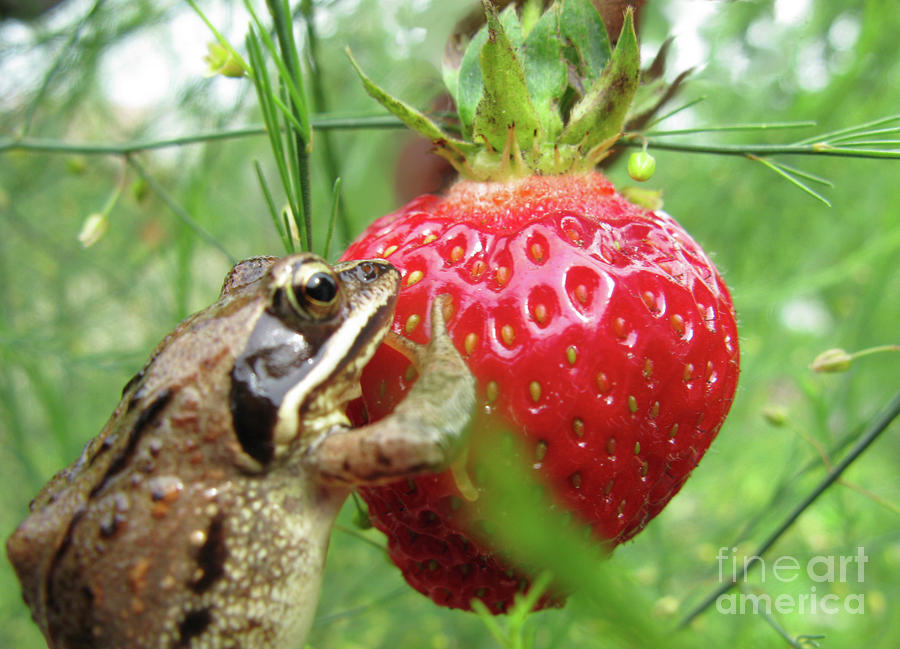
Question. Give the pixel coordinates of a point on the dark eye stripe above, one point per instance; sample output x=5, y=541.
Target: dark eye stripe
x=274, y=361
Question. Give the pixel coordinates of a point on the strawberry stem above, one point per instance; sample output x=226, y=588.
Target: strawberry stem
x=543, y=97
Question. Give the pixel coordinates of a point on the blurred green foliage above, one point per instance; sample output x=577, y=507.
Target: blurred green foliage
x=75, y=323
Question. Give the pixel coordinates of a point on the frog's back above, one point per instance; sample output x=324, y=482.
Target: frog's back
x=142, y=542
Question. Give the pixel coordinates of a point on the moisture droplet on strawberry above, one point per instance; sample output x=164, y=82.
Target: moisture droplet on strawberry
x=599, y=333
x=597, y=330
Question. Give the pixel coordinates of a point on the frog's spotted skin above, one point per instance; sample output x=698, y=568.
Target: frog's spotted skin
x=200, y=515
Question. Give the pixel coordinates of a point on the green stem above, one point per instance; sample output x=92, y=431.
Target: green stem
x=320, y=101
x=798, y=643
x=875, y=350
x=359, y=535
x=281, y=18
x=874, y=431
x=819, y=148
x=752, y=126
x=322, y=123
x=335, y=207
x=177, y=209
x=329, y=618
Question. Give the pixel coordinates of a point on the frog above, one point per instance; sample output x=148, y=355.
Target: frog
x=201, y=514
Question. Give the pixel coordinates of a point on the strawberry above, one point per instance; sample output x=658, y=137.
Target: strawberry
x=599, y=332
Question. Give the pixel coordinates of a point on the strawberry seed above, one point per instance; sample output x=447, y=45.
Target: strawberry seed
x=632, y=404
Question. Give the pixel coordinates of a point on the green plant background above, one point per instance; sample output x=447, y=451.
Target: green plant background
x=76, y=323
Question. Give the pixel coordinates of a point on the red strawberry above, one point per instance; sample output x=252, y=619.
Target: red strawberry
x=598, y=331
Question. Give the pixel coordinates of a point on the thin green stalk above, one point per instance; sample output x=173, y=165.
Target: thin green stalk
x=752, y=126
x=281, y=17
x=856, y=128
x=873, y=432
x=285, y=236
x=875, y=350
x=327, y=123
x=877, y=131
x=329, y=618
x=800, y=642
x=43, y=145
x=867, y=143
x=352, y=531
x=272, y=116
x=323, y=122
x=781, y=171
x=178, y=210
x=674, y=111
x=320, y=100
x=298, y=162
x=802, y=173
x=822, y=149
x=335, y=207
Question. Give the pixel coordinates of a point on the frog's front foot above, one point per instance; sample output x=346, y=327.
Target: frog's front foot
x=425, y=431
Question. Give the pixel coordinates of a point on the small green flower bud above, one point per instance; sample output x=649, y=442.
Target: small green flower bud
x=222, y=61
x=832, y=360
x=641, y=166
x=776, y=415
x=140, y=190
x=665, y=606
x=94, y=228
x=76, y=165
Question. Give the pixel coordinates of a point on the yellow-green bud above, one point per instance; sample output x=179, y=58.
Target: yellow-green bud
x=76, y=164
x=140, y=190
x=832, y=360
x=222, y=61
x=776, y=415
x=641, y=166
x=95, y=226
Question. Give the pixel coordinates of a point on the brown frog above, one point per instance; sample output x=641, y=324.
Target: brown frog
x=200, y=516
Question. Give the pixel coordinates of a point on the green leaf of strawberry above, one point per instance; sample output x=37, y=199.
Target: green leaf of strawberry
x=599, y=332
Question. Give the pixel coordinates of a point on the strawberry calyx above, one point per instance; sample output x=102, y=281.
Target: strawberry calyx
x=535, y=95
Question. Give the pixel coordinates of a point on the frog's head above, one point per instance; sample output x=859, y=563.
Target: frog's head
x=302, y=361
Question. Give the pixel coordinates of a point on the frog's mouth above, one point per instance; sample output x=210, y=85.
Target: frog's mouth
x=289, y=382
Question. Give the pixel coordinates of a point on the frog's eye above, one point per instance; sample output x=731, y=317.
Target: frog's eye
x=321, y=288
x=314, y=292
